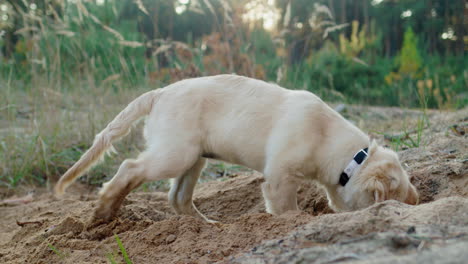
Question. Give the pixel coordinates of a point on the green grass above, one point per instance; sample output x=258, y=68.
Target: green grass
x=56, y=251
x=407, y=139
x=110, y=256
x=411, y=135
x=122, y=250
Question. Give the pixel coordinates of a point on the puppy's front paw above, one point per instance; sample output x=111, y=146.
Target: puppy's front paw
x=104, y=213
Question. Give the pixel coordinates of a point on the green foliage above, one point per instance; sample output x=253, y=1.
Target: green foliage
x=87, y=40
x=265, y=52
x=449, y=77
x=409, y=60
x=335, y=76
x=113, y=45
x=353, y=46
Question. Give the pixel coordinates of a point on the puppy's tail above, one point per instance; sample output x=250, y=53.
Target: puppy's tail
x=116, y=129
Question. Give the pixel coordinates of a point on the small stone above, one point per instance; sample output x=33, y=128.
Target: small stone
x=411, y=230
x=400, y=241
x=340, y=108
x=170, y=238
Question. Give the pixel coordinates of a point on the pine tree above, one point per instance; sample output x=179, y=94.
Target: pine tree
x=410, y=59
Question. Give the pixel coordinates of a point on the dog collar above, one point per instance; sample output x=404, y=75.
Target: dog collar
x=358, y=159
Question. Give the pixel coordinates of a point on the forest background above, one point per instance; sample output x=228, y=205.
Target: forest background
x=385, y=52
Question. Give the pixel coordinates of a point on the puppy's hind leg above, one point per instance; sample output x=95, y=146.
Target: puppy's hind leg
x=163, y=161
x=130, y=175
x=180, y=195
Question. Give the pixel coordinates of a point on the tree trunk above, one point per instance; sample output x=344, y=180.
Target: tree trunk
x=331, y=6
x=155, y=20
x=460, y=27
x=343, y=11
x=432, y=33
x=387, y=46
x=365, y=5
x=356, y=13
x=446, y=22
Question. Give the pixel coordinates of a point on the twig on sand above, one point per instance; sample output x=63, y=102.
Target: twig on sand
x=402, y=136
x=28, y=223
x=16, y=201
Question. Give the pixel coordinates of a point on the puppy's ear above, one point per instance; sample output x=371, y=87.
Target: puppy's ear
x=412, y=196
x=373, y=147
x=378, y=189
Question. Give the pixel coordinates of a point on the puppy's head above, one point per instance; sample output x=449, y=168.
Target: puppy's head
x=380, y=178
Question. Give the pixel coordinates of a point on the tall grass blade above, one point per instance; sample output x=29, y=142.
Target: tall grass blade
x=122, y=249
x=56, y=251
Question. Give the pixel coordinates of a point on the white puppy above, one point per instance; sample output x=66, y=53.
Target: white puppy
x=287, y=135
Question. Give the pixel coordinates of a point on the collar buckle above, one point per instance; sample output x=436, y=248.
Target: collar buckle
x=357, y=161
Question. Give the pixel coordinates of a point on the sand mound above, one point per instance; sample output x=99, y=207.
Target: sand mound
x=389, y=232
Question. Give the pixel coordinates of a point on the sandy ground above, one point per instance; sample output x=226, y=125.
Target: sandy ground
x=41, y=229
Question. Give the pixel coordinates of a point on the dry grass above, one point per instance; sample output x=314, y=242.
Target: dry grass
x=44, y=130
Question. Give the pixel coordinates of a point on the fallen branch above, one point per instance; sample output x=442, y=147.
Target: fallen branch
x=28, y=223
x=402, y=136
x=16, y=201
